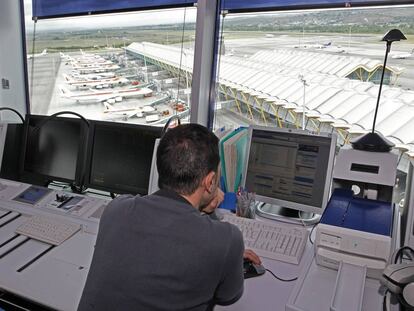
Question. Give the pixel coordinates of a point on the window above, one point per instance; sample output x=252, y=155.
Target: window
x=319, y=70
x=131, y=67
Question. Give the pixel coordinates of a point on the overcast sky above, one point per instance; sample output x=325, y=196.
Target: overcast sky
x=111, y=20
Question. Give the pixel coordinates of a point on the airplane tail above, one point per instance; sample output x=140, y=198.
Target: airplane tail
x=67, y=78
x=44, y=52
x=108, y=107
x=82, y=52
x=64, y=91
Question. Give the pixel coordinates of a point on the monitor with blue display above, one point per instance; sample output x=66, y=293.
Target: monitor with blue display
x=290, y=168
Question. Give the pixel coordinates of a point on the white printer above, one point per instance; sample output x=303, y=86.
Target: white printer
x=357, y=224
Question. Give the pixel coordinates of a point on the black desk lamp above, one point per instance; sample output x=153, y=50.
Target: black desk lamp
x=372, y=141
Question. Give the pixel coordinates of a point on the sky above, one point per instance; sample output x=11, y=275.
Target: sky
x=109, y=20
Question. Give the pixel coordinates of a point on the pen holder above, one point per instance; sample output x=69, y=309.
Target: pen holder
x=245, y=207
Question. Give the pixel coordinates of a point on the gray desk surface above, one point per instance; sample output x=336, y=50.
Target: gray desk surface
x=265, y=293
x=57, y=279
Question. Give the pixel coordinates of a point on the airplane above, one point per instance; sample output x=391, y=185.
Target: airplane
x=101, y=96
x=30, y=56
x=128, y=112
x=91, y=76
x=314, y=46
x=84, y=59
x=124, y=112
x=96, y=69
x=95, y=81
x=181, y=115
x=403, y=55
x=88, y=62
x=90, y=55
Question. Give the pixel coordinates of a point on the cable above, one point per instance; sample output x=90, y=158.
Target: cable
x=33, y=59
x=399, y=252
x=310, y=234
x=58, y=114
x=386, y=302
x=280, y=279
x=75, y=188
x=221, y=41
x=13, y=110
x=167, y=125
x=301, y=219
x=181, y=56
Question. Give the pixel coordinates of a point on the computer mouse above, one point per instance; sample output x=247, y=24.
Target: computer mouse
x=252, y=270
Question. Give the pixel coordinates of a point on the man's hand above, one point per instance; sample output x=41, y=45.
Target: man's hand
x=212, y=205
x=251, y=256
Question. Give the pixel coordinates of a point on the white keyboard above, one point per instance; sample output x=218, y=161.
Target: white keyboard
x=47, y=229
x=273, y=240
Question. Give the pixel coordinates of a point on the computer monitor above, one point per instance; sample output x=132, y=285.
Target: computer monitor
x=12, y=150
x=290, y=168
x=53, y=150
x=120, y=156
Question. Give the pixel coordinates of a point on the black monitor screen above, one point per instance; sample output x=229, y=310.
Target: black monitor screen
x=54, y=149
x=120, y=157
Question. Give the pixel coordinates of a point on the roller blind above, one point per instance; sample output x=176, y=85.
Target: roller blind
x=258, y=5
x=43, y=9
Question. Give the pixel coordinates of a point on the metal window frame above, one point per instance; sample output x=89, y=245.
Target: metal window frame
x=205, y=60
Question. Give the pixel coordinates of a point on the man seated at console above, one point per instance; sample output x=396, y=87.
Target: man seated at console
x=159, y=252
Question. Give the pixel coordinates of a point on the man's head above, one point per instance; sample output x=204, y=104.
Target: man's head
x=188, y=160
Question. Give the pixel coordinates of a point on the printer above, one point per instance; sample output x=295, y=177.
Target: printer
x=357, y=224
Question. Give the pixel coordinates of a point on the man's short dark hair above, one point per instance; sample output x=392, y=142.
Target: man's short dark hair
x=185, y=155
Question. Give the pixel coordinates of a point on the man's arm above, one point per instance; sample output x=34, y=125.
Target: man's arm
x=230, y=288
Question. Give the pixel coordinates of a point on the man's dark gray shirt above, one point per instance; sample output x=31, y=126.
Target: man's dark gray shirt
x=159, y=253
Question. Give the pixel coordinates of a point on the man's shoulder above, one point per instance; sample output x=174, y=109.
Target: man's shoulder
x=226, y=230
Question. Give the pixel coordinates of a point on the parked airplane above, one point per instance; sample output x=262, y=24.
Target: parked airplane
x=128, y=112
x=97, y=69
x=91, y=76
x=84, y=59
x=314, y=46
x=124, y=112
x=30, y=56
x=101, y=96
x=181, y=115
x=403, y=55
x=95, y=82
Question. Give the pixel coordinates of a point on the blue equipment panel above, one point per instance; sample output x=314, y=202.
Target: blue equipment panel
x=346, y=211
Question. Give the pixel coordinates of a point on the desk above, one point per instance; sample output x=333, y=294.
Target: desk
x=265, y=293
x=56, y=279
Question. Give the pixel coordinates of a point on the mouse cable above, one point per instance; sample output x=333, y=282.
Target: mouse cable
x=400, y=253
x=280, y=279
x=386, y=304
x=310, y=234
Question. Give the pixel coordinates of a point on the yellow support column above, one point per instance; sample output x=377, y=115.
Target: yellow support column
x=261, y=110
x=247, y=105
x=237, y=101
